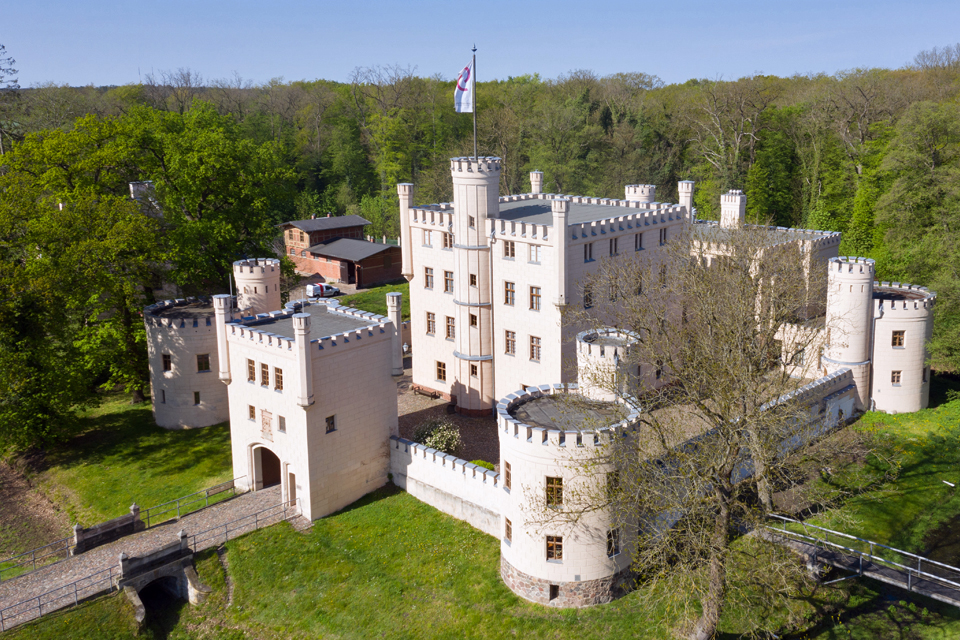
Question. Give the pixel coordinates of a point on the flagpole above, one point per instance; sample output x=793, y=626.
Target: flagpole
x=474, y=80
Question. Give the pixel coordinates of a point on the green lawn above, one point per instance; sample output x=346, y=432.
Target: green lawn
x=375, y=300
x=123, y=457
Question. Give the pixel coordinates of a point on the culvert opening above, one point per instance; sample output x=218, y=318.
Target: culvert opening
x=162, y=601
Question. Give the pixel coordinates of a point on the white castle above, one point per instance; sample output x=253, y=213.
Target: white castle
x=312, y=403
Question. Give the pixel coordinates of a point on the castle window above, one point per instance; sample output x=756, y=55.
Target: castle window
x=264, y=375
x=442, y=371
x=167, y=362
x=472, y=222
x=554, y=592
x=554, y=552
x=507, y=529
x=251, y=371
x=613, y=246
x=277, y=379
x=507, y=476
x=511, y=340
x=509, y=293
x=427, y=238
x=663, y=237
x=431, y=323
x=663, y=276
x=301, y=236
x=473, y=279
x=293, y=251
x=303, y=254
x=331, y=423
x=474, y=371
x=196, y=398
x=536, y=253
x=448, y=281
x=535, y=298
x=898, y=339
x=163, y=396
x=613, y=542
x=203, y=362
x=451, y=328
x=281, y=424
x=447, y=241
x=588, y=252
x=895, y=378
x=659, y=369
x=638, y=242
x=251, y=412
x=428, y=277
x=473, y=319
x=925, y=369
x=509, y=249
x=798, y=357
x=554, y=491
x=587, y=298
x=535, y=349
x=255, y=289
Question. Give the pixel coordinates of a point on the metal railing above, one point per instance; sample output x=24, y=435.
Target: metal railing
x=35, y=558
x=102, y=581
x=235, y=528
x=910, y=563
x=181, y=506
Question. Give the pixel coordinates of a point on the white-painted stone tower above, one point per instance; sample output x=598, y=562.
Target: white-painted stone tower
x=405, y=193
x=394, y=305
x=258, y=285
x=849, y=321
x=476, y=193
x=640, y=193
x=685, y=188
x=733, y=208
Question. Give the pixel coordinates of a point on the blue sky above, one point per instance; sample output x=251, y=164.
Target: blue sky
x=116, y=42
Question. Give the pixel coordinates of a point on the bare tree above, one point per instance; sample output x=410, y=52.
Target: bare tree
x=8, y=94
x=721, y=319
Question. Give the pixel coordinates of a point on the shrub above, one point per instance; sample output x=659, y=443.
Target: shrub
x=441, y=435
x=484, y=464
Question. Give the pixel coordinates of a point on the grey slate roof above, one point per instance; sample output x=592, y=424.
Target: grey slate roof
x=349, y=249
x=325, y=224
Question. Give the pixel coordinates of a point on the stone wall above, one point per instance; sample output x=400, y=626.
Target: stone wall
x=454, y=486
x=565, y=594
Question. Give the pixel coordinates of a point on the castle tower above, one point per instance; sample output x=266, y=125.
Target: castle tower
x=602, y=370
x=733, y=208
x=394, y=305
x=849, y=321
x=405, y=192
x=258, y=285
x=476, y=194
x=903, y=326
x=685, y=188
x=641, y=193
x=536, y=182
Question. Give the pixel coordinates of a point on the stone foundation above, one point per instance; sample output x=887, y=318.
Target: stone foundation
x=568, y=594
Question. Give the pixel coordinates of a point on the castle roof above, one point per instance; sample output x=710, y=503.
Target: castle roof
x=568, y=412
x=325, y=320
x=182, y=308
x=327, y=223
x=349, y=248
x=711, y=231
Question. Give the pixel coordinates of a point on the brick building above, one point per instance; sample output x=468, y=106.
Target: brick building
x=334, y=247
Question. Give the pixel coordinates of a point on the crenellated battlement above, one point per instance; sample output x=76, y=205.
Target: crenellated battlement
x=852, y=265
x=256, y=265
x=640, y=192
x=488, y=165
x=816, y=390
x=202, y=315
x=456, y=465
x=617, y=224
x=912, y=297
x=542, y=436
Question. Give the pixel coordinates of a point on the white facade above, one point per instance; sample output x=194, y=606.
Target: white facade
x=312, y=402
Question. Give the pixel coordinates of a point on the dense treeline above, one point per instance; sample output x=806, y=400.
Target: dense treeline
x=873, y=153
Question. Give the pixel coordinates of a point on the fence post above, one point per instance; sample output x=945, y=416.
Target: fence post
x=3, y=624
x=178, y=508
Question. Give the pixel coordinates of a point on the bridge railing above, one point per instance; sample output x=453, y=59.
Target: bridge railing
x=35, y=558
x=175, y=509
x=252, y=522
x=69, y=594
x=913, y=565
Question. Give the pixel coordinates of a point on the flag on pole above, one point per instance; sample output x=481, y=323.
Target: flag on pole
x=466, y=88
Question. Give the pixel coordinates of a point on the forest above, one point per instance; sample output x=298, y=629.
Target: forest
x=873, y=153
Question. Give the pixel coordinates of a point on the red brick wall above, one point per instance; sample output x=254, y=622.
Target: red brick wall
x=372, y=272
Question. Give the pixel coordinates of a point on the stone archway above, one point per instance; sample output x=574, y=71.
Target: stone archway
x=268, y=468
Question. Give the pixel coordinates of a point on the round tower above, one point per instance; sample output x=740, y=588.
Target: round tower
x=476, y=194
x=641, y=193
x=849, y=321
x=602, y=369
x=685, y=189
x=258, y=285
x=560, y=562
x=903, y=326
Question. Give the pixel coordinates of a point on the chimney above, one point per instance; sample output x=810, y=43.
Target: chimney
x=733, y=208
x=536, y=182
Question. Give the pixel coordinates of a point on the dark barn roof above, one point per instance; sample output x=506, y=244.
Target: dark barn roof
x=349, y=249
x=325, y=224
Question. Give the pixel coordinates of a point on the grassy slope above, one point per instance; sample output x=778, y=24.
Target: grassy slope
x=123, y=457
x=375, y=300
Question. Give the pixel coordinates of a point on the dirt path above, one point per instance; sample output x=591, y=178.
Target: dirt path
x=27, y=518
